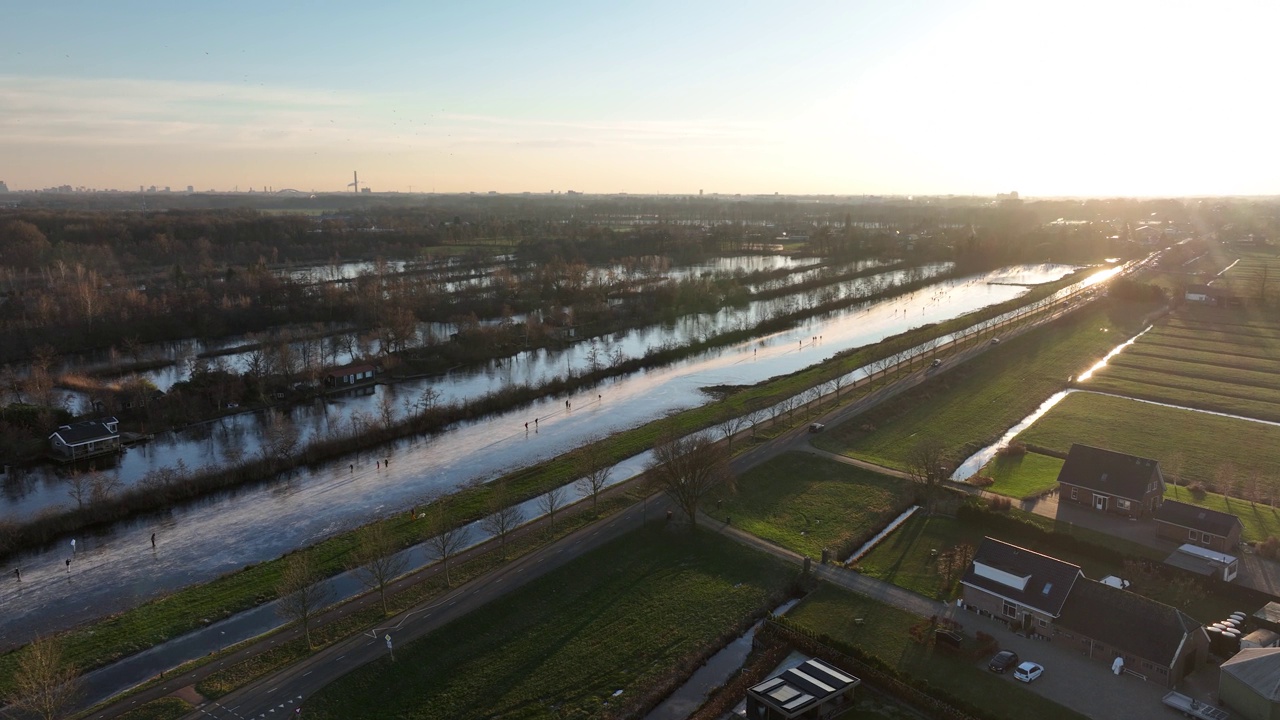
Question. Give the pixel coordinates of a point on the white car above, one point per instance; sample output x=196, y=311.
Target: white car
x=1028, y=672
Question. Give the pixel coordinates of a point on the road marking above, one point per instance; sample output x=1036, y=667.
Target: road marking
x=341, y=656
x=307, y=673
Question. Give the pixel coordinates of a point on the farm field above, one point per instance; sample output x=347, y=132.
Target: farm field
x=1188, y=444
x=806, y=502
x=599, y=632
x=971, y=405
x=1224, y=360
x=883, y=631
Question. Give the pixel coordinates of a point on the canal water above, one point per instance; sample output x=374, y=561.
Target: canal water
x=117, y=569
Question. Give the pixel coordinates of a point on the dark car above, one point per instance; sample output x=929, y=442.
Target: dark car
x=1003, y=660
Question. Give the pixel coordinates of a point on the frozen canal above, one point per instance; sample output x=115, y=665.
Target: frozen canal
x=197, y=542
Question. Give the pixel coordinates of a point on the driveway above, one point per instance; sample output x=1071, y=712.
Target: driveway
x=1255, y=572
x=1077, y=682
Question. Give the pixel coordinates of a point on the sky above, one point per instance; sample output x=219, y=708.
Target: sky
x=1047, y=98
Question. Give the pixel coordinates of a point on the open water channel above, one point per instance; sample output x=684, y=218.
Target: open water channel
x=118, y=569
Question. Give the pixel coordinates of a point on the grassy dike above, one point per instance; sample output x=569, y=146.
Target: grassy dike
x=604, y=636
x=100, y=643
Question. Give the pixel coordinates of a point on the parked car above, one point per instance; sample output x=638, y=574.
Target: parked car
x=817, y=427
x=1028, y=672
x=936, y=363
x=1003, y=660
x=995, y=341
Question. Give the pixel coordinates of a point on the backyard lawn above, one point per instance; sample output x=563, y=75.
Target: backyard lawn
x=882, y=631
x=909, y=558
x=806, y=502
x=1022, y=476
x=595, y=634
x=972, y=404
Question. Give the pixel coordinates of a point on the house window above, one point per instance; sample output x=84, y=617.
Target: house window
x=1206, y=538
x=1075, y=493
x=1009, y=609
x=1044, y=623
x=1193, y=535
x=1122, y=503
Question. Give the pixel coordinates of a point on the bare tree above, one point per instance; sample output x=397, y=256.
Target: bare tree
x=730, y=427
x=952, y=564
x=503, y=517
x=102, y=486
x=593, y=468
x=929, y=464
x=280, y=436
x=302, y=592
x=44, y=683
x=687, y=468
x=447, y=538
x=1225, y=479
x=387, y=408
x=789, y=405
x=1172, y=471
x=880, y=366
x=810, y=396
x=551, y=501
x=755, y=417
x=79, y=487
x=376, y=560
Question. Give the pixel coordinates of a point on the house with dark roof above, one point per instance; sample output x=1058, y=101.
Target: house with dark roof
x=813, y=690
x=350, y=375
x=1156, y=642
x=1018, y=586
x=1111, y=482
x=85, y=439
x=1192, y=524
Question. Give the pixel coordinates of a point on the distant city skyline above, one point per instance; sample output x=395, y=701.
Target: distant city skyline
x=932, y=98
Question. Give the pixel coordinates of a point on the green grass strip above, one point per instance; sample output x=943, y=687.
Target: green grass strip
x=589, y=639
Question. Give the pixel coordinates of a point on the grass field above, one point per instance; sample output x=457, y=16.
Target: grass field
x=1022, y=476
x=627, y=617
x=882, y=631
x=971, y=405
x=1190, y=446
x=1225, y=360
x=806, y=502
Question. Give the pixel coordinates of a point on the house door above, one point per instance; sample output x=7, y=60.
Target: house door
x=1100, y=502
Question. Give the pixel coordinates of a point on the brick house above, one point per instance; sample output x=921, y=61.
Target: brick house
x=1157, y=642
x=1018, y=586
x=1186, y=523
x=1111, y=482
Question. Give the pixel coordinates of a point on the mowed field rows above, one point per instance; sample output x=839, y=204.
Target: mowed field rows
x=1225, y=360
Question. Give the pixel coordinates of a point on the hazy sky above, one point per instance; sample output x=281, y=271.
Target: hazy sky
x=1047, y=98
